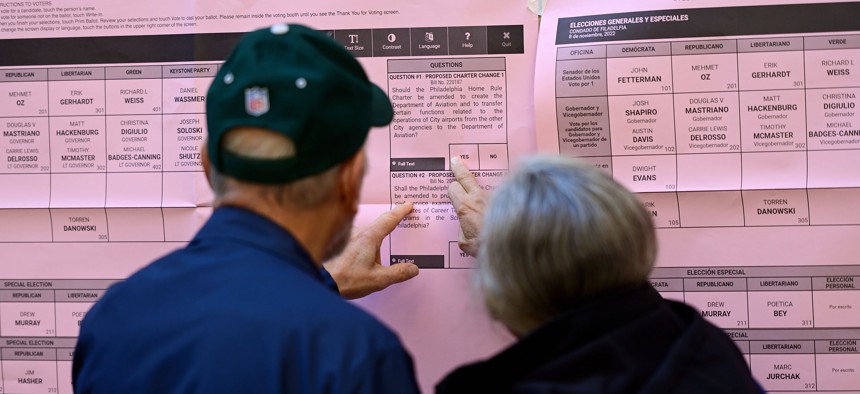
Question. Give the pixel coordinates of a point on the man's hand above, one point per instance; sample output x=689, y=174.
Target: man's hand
x=469, y=203
x=358, y=271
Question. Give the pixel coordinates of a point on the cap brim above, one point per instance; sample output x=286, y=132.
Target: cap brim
x=381, y=112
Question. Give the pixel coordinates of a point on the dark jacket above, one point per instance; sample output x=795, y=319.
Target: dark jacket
x=241, y=309
x=631, y=341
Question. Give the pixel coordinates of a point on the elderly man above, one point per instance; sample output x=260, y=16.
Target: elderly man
x=246, y=307
x=564, y=258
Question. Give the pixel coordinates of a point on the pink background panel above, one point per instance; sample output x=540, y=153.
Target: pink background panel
x=753, y=62
x=186, y=189
x=764, y=364
x=725, y=77
x=711, y=209
x=712, y=171
x=816, y=72
x=756, y=200
x=180, y=224
x=662, y=166
x=35, y=100
x=834, y=168
x=465, y=331
x=64, y=374
x=623, y=67
x=838, y=371
x=798, y=315
x=630, y=138
x=71, y=217
x=733, y=302
x=837, y=308
x=78, y=190
x=31, y=225
x=144, y=224
x=133, y=190
x=25, y=190
x=834, y=206
x=774, y=170
x=376, y=146
x=61, y=90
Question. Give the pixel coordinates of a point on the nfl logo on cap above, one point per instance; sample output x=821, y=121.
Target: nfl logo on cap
x=256, y=101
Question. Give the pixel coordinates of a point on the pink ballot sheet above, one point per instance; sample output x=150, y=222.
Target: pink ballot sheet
x=736, y=124
x=102, y=118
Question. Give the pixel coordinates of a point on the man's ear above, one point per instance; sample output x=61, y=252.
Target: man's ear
x=204, y=158
x=350, y=177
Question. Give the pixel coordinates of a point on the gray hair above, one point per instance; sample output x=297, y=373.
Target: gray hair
x=258, y=143
x=558, y=232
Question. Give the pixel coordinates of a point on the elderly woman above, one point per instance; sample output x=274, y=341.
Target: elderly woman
x=564, y=258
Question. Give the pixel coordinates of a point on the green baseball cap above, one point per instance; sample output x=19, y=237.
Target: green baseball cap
x=300, y=83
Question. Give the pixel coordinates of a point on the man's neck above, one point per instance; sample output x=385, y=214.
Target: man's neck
x=312, y=228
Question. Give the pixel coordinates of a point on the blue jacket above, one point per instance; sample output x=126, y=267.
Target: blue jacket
x=241, y=309
x=632, y=341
